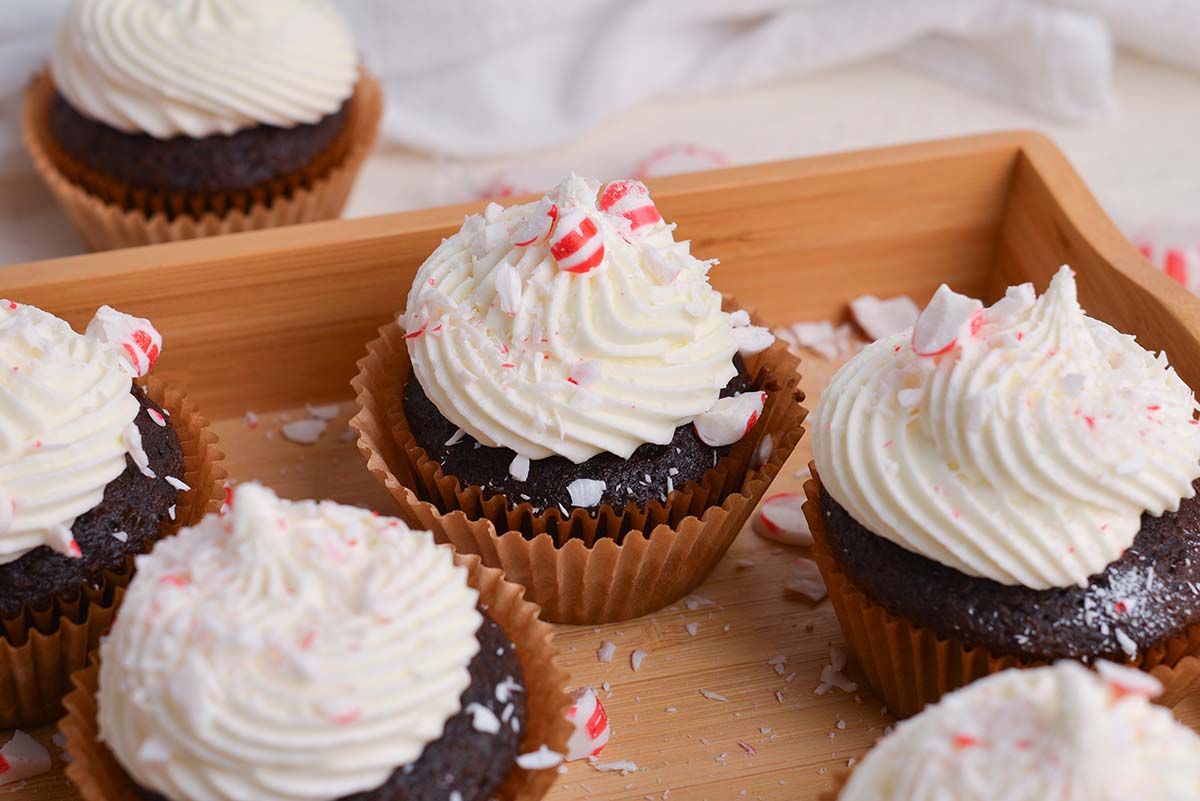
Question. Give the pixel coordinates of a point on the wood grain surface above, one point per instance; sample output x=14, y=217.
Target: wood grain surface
x=266, y=322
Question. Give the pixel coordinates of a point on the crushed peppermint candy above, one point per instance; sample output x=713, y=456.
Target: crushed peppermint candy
x=948, y=320
x=804, y=578
x=22, y=757
x=730, y=418
x=883, y=318
x=692, y=628
x=586, y=491
x=328, y=411
x=483, y=719
x=251, y=420
x=589, y=722
x=710, y=695
x=781, y=518
x=636, y=658
x=624, y=766
x=303, y=432
x=456, y=437
x=176, y=483
x=156, y=416
x=762, y=454
x=519, y=468
x=120, y=536
x=541, y=759
x=607, y=651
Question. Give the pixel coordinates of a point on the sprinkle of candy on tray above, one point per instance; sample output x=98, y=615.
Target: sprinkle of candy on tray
x=710, y=695
x=636, y=659
x=606, y=652
x=303, y=432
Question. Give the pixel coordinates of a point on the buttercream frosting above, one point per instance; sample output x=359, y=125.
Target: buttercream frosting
x=66, y=419
x=1060, y=732
x=285, y=651
x=1023, y=448
x=201, y=67
x=571, y=326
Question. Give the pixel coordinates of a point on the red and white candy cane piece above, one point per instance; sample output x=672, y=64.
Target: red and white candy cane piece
x=538, y=225
x=576, y=242
x=590, y=725
x=8, y=510
x=730, y=418
x=21, y=758
x=139, y=340
x=948, y=320
x=630, y=199
x=781, y=518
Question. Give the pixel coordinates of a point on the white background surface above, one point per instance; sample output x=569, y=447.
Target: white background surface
x=1143, y=163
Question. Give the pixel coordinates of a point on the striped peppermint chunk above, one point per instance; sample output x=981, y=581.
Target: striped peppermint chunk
x=576, y=243
x=631, y=200
x=139, y=340
x=538, y=225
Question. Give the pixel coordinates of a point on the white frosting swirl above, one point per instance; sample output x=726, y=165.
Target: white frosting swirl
x=521, y=353
x=1058, y=732
x=66, y=423
x=1026, y=454
x=300, y=651
x=202, y=67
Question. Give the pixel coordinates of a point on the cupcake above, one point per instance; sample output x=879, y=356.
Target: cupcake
x=1060, y=732
x=162, y=121
x=303, y=650
x=94, y=468
x=564, y=371
x=1003, y=486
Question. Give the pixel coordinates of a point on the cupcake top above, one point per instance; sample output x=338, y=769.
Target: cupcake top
x=1060, y=732
x=201, y=67
x=1020, y=443
x=66, y=420
x=285, y=651
x=572, y=326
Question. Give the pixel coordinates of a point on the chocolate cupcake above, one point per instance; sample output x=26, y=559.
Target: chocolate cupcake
x=202, y=109
x=566, y=368
x=288, y=650
x=1059, y=732
x=93, y=471
x=1010, y=486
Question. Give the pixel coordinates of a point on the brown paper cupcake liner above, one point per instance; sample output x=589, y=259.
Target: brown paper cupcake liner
x=98, y=776
x=910, y=666
x=110, y=215
x=585, y=568
x=39, y=649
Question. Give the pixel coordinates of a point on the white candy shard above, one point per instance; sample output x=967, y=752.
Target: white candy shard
x=585, y=374
x=328, y=411
x=589, y=723
x=606, y=652
x=624, y=766
x=483, y=719
x=537, y=225
x=177, y=484
x=752, y=339
x=139, y=341
x=804, y=578
x=22, y=757
x=303, y=432
x=586, y=491
x=508, y=287
x=540, y=759
x=762, y=454
x=636, y=658
x=730, y=418
x=519, y=468
x=133, y=442
x=883, y=318
x=946, y=322
x=781, y=518
x=1016, y=300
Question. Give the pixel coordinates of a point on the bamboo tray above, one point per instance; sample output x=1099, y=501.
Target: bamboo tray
x=269, y=321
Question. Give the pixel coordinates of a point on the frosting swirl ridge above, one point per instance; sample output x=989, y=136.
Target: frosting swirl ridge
x=285, y=650
x=564, y=327
x=1058, y=732
x=1023, y=447
x=201, y=67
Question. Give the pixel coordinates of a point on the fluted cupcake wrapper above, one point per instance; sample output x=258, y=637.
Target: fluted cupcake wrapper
x=910, y=666
x=98, y=776
x=39, y=649
x=108, y=214
x=612, y=565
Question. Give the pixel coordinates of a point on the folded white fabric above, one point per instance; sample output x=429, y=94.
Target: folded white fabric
x=473, y=78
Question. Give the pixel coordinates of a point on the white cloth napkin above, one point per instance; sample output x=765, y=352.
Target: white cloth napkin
x=471, y=78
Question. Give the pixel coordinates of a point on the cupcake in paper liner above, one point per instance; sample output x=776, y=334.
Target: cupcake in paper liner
x=565, y=370
x=301, y=650
x=94, y=468
x=1060, y=732
x=162, y=121
x=1004, y=486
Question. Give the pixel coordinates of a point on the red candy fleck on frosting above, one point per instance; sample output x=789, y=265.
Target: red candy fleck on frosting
x=576, y=243
x=415, y=334
x=965, y=741
x=631, y=200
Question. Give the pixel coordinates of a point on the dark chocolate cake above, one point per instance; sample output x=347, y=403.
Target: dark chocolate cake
x=1148, y=595
x=133, y=504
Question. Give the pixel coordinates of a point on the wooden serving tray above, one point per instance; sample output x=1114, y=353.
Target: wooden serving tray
x=266, y=322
